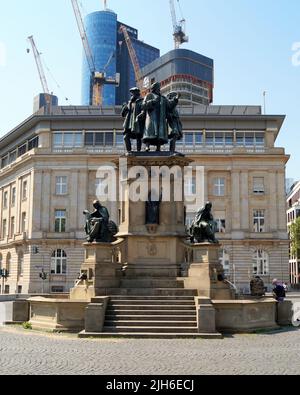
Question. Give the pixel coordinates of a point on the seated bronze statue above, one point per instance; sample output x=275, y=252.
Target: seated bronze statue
x=98, y=227
x=204, y=227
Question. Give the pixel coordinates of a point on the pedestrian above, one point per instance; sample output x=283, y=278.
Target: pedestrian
x=278, y=291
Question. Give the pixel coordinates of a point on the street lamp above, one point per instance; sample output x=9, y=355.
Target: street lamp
x=43, y=276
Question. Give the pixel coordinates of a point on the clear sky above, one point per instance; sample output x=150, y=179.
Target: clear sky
x=250, y=40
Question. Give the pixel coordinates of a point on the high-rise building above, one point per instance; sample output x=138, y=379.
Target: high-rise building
x=102, y=28
x=183, y=71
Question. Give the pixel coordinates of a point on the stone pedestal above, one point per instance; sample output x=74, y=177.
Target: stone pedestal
x=102, y=267
x=206, y=273
x=206, y=315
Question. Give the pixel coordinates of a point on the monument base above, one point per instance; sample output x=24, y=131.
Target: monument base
x=206, y=274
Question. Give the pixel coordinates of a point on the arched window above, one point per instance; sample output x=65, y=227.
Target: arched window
x=8, y=263
x=21, y=263
x=260, y=263
x=225, y=262
x=59, y=262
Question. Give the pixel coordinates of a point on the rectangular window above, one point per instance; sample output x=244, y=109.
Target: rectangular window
x=4, y=228
x=219, y=139
x=189, y=139
x=23, y=222
x=219, y=187
x=24, y=190
x=12, y=156
x=119, y=139
x=240, y=139
x=89, y=138
x=22, y=150
x=99, y=139
x=33, y=143
x=229, y=139
x=5, y=200
x=190, y=186
x=210, y=139
x=58, y=140
x=68, y=140
x=259, y=221
x=61, y=187
x=249, y=139
x=4, y=161
x=258, y=185
x=221, y=225
x=109, y=139
x=60, y=221
x=13, y=196
x=78, y=140
x=57, y=290
x=259, y=139
x=19, y=289
x=12, y=226
x=199, y=138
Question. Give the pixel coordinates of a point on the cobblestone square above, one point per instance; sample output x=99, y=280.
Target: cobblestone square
x=32, y=353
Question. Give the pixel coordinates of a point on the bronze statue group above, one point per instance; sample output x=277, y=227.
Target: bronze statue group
x=153, y=120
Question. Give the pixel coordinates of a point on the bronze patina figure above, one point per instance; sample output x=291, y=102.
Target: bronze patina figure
x=134, y=124
x=98, y=227
x=157, y=108
x=174, y=122
x=203, y=227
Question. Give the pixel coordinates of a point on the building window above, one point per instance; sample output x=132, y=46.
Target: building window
x=5, y=200
x=225, y=262
x=13, y=196
x=12, y=226
x=119, y=139
x=20, y=264
x=219, y=187
x=57, y=290
x=24, y=190
x=20, y=288
x=22, y=150
x=258, y=185
x=33, y=143
x=6, y=290
x=221, y=225
x=23, y=222
x=59, y=262
x=190, y=186
x=61, y=187
x=4, y=161
x=12, y=156
x=189, y=139
x=259, y=221
x=60, y=221
x=4, y=228
x=260, y=263
x=68, y=140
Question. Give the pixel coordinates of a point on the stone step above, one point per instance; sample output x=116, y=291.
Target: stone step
x=150, y=323
x=144, y=335
x=145, y=302
x=144, y=307
x=149, y=292
x=169, y=298
x=137, y=313
x=149, y=329
x=151, y=283
x=148, y=318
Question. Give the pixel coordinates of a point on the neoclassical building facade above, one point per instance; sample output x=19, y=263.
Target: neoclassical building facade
x=48, y=178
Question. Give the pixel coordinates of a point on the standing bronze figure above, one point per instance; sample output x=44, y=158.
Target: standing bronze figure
x=174, y=121
x=204, y=227
x=134, y=124
x=157, y=108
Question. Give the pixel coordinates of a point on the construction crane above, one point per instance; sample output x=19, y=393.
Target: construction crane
x=133, y=57
x=38, y=61
x=99, y=78
x=179, y=34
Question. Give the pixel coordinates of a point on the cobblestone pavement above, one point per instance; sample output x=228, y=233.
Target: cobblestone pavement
x=24, y=353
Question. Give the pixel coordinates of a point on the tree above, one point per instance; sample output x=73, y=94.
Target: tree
x=295, y=238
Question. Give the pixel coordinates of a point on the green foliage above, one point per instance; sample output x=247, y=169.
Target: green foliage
x=295, y=238
x=27, y=325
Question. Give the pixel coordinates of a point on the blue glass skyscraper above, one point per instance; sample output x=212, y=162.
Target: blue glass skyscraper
x=102, y=30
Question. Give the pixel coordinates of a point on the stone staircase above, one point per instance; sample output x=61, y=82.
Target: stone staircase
x=151, y=317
